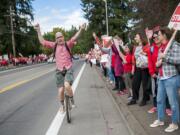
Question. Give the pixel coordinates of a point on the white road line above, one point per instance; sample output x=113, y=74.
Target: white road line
x=21, y=68
x=58, y=120
x=33, y=67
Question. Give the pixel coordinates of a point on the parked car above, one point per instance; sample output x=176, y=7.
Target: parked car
x=75, y=57
x=3, y=62
x=51, y=60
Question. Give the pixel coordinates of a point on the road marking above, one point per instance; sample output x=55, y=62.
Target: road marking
x=10, y=87
x=58, y=119
x=33, y=67
x=21, y=68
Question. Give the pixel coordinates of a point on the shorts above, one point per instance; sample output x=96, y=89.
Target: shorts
x=64, y=76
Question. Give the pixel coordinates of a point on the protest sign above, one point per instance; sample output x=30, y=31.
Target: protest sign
x=106, y=39
x=175, y=19
x=175, y=24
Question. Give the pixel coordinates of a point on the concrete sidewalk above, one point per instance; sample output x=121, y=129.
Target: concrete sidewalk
x=137, y=117
x=97, y=112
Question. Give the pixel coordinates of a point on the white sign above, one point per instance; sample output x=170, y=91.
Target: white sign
x=96, y=47
x=106, y=39
x=175, y=19
x=93, y=61
x=104, y=58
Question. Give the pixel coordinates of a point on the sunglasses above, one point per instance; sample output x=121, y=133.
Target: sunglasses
x=59, y=37
x=155, y=36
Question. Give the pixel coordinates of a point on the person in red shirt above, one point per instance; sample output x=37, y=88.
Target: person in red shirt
x=127, y=65
x=152, y=54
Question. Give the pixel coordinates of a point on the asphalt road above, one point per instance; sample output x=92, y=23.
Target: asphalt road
x=28, y=99
x=29, y=103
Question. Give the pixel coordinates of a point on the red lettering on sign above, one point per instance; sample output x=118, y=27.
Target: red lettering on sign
x=175, y=18
x=177, y=11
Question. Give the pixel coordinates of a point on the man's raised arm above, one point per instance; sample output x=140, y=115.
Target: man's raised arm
x=75, y=37
x=40, y=37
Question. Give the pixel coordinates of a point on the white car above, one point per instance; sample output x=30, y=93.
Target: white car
x=51, y=60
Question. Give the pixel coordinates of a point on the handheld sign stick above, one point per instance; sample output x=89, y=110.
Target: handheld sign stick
x=174, y=23
x=170, y=42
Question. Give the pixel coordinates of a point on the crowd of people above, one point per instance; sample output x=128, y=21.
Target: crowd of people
x=127, y=66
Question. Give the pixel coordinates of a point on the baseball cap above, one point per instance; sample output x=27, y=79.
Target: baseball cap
x=58, y=34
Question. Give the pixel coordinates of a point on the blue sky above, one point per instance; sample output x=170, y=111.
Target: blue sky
x=58, y=13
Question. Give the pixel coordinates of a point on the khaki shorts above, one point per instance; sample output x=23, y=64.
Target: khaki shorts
x=62, y=77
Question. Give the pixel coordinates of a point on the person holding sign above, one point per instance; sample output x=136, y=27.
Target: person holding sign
x=168, y=79
x=118, y=66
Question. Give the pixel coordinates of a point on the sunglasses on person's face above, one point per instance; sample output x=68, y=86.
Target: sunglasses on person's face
x=59, y=37
x=155, y=36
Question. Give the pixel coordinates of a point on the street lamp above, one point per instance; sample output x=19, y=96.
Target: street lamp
x=107, y=31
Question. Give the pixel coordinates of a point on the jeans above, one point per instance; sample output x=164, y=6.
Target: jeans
x=169, y=87
x=178, y=82
x=110, y=74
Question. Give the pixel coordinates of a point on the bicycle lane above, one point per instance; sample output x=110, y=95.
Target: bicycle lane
x=96, y=112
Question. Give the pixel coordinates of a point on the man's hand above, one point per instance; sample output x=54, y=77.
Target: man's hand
x=94, y=34
x=143, y=53
x=161, y=55
x=154, y=76
x=149, y=33
x=83, y=26
x=159, y=63
x=37, y=27
x=132, y=71
x=124, y=61
x=117, y=46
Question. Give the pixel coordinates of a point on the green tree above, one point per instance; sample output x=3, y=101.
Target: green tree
x=25, y=36
x=151, y=13
x=119, y=14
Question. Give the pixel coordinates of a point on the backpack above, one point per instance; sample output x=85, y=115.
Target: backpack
x=67, y=48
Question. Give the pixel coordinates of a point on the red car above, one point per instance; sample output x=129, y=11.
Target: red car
x=3, y=62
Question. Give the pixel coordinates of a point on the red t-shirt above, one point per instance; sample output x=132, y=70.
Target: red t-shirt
x=152, y=58
x=128, y=65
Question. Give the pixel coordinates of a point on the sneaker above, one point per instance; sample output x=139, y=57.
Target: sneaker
x=168, y=112
x=62, y=109
x=111, y=82
x=129, y=98
x=157, y=123
x=152, y=110
x=132, y=102
x=120, y=93
x=172, y=127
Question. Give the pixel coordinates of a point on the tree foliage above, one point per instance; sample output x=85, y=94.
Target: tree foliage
x=25, y=37
x=119, y=14
x=151, y=13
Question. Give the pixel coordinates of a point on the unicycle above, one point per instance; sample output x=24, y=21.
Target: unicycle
x=68, y=107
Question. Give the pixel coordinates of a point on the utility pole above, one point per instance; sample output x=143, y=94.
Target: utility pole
x=107, y=29
x=12, y=31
